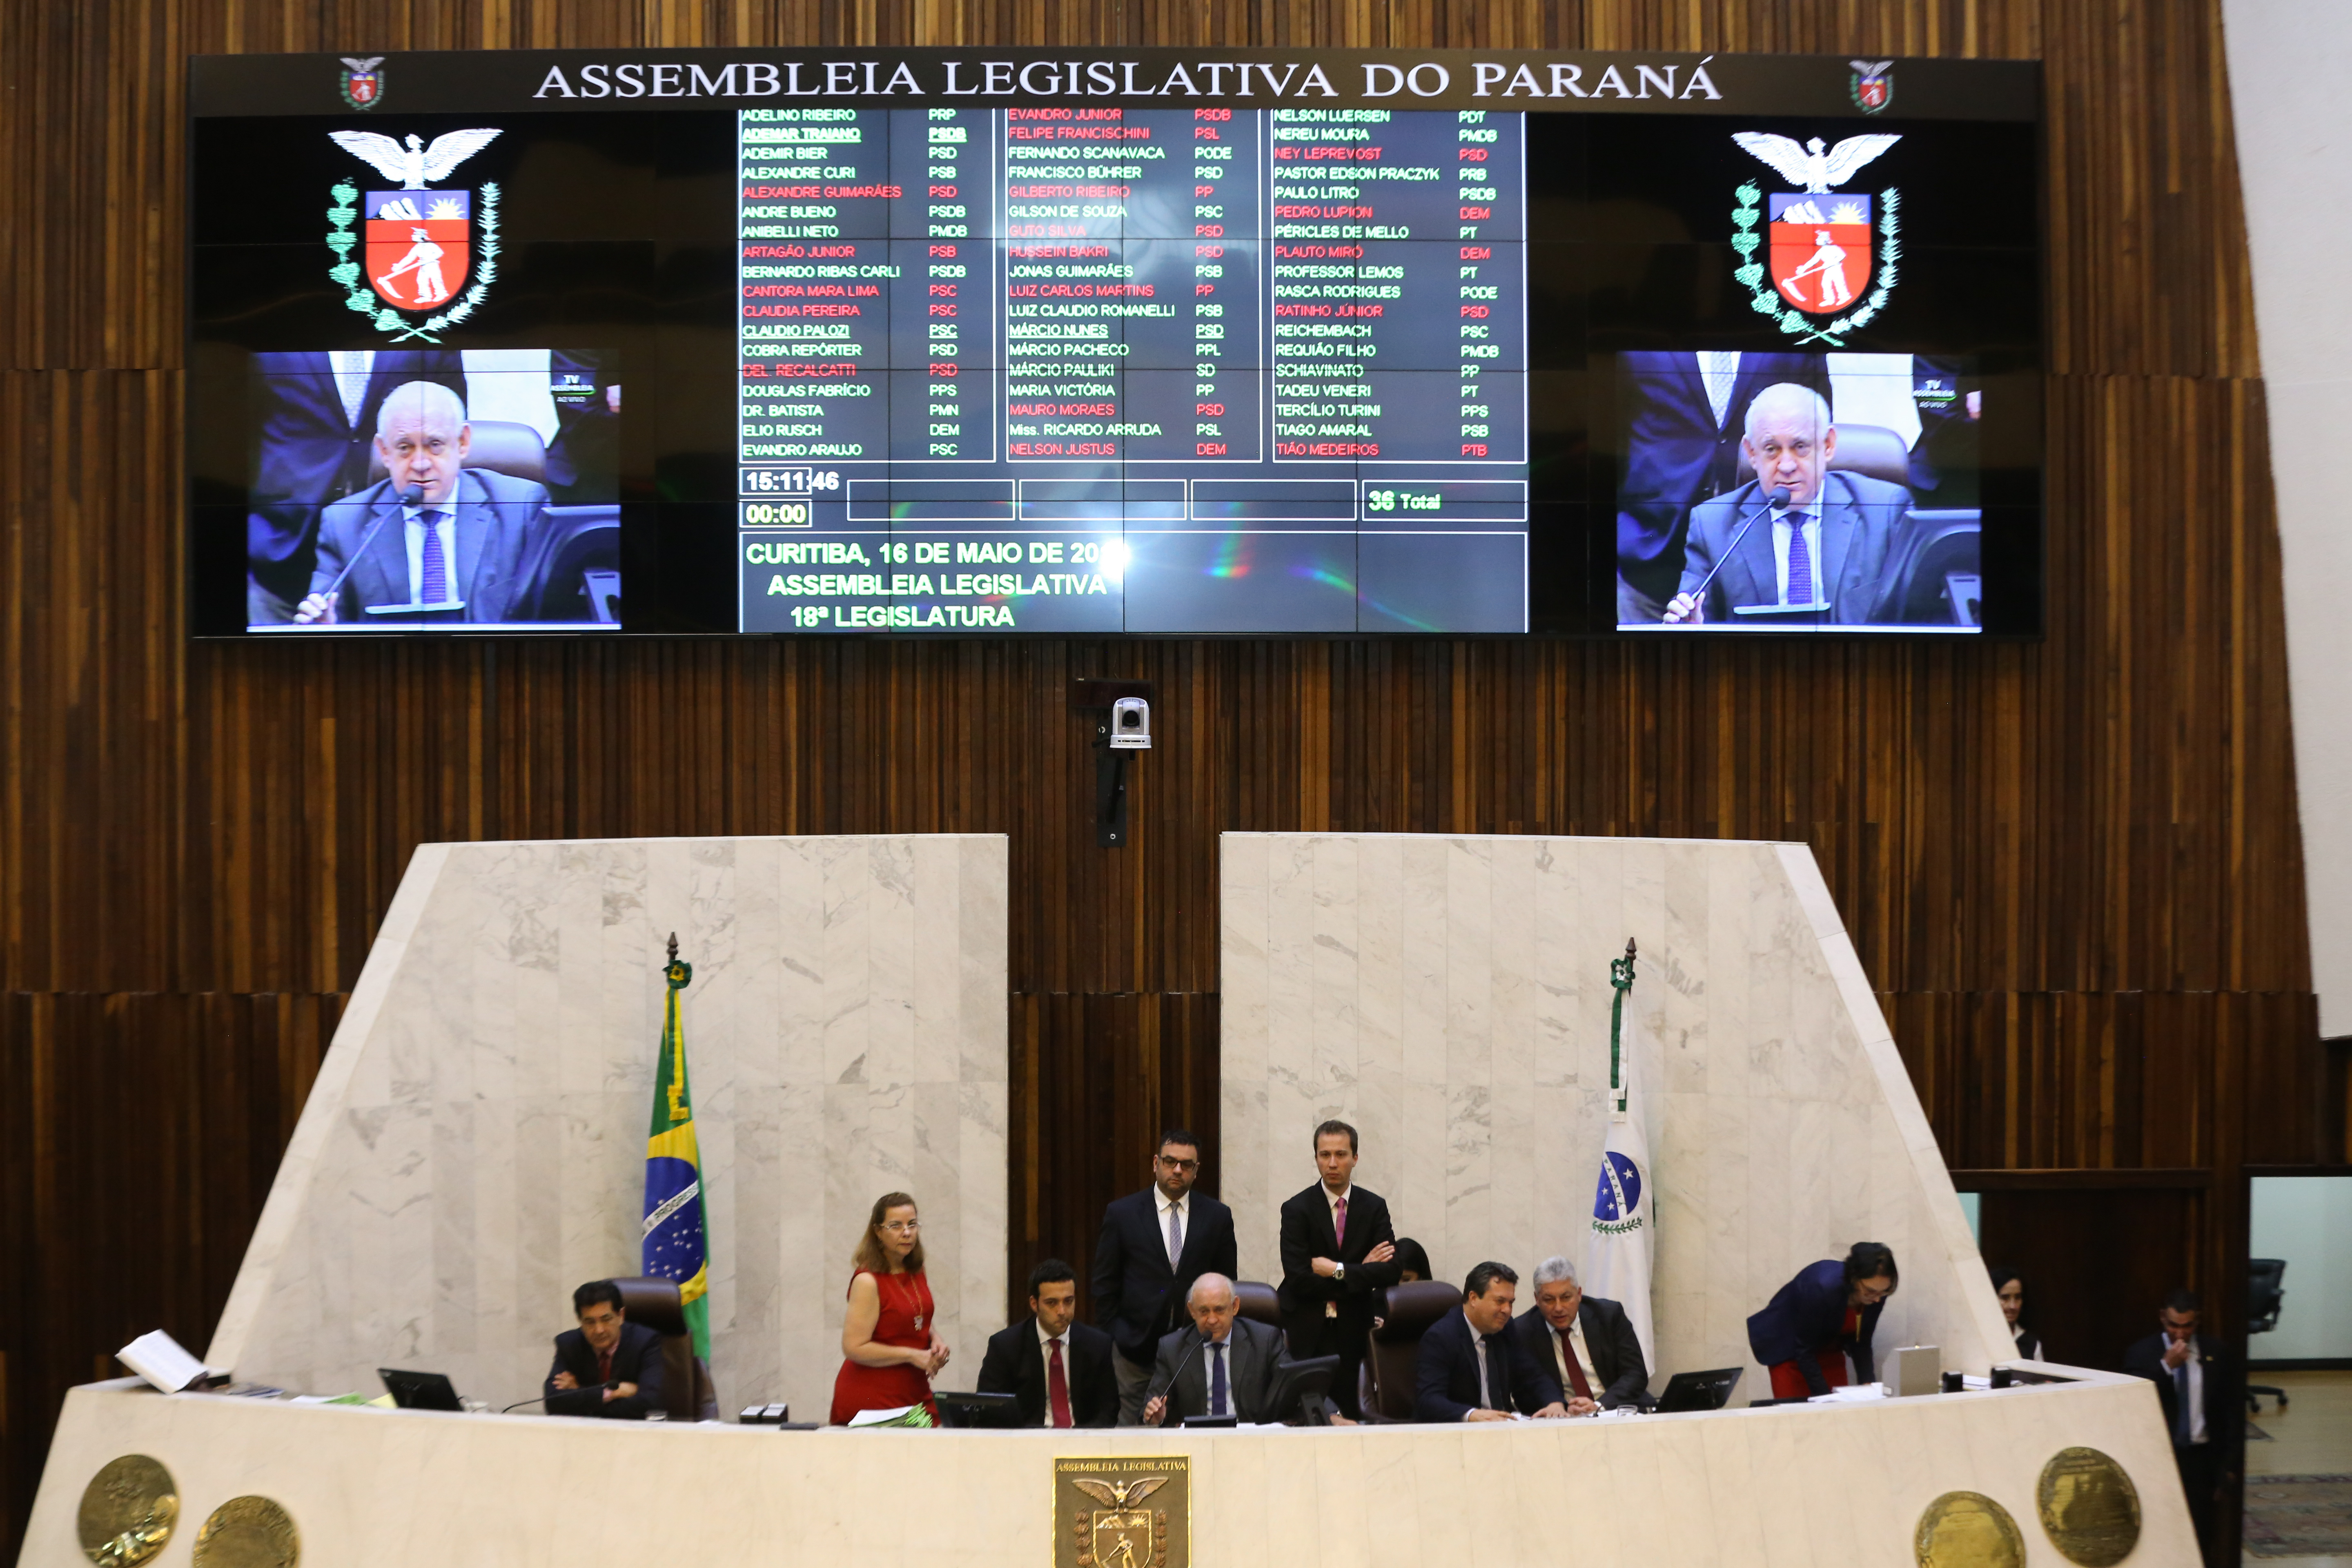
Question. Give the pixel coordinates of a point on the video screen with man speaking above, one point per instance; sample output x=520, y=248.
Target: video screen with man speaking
x=1798, y=492
x=403, y=489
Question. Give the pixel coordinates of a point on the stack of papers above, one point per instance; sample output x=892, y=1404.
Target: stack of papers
x=1852, y=1394
x=904, y=1415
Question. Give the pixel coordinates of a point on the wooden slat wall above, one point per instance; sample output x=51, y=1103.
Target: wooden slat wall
x=2072, y=867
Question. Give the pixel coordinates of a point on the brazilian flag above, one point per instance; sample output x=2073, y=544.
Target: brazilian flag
x=676, y=1241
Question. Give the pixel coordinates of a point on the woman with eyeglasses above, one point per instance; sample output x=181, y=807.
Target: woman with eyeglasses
x=890, y=1346
x=1825, y=1314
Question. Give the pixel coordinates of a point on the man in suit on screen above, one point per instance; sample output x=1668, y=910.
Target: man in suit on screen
x=1154, y=1244
x=315, y=418
x=1338, y=1252
x=432, y=531
x=1832, y=543
x=1587, y=1344
x=1057, y=1366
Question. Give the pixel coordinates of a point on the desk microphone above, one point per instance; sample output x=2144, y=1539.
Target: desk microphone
x=413, y=495
x=518, y=1403
x=1779, y=496
x=1199, y=1339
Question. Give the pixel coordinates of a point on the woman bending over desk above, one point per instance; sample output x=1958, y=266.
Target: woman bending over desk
x=1826, y=1313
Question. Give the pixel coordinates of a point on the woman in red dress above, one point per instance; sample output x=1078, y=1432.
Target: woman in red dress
x=890, y=1349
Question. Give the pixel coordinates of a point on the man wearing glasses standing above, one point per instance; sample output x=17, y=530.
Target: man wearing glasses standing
x=1154, y=1245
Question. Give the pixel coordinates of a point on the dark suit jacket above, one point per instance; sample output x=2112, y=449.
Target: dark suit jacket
x=1445, y=1373
x=1137, y=1297
x=1863, y=522
x=308, y=453
x=636, y=1359
x=1016, y=1365
x=2224, y=1400
x=1677, y=453
x=1609, y=1337
x=497, y=565
x=1307, y=1235
x=1808, y=1314
x=1182, y=1372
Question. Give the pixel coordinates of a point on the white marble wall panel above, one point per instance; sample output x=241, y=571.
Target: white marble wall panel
x=1451, y=997
x=1816, y=1487
x=475, y=1145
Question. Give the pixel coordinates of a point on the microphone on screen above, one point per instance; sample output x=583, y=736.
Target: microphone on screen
x=1779, y=497
x=413, y=495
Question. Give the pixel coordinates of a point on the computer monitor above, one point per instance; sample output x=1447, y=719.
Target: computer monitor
x=419, y=1390
x=1699, y=1390
x=1299, y=1387
x=975, y=1410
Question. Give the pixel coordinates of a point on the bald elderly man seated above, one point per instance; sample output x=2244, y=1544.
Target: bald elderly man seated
x=1831, y=540
x=1225, y=1364
x=431, y=532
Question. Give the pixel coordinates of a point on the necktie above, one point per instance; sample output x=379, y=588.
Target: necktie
x=1175, y=1235
x=1486, y=1392
x=1340, y=1222
x=2182, y=1430
x=352, y=367
x=1058, y=1385
x=1800, y=563
x=1575, y=1367
x=605, y=1368
x=1217, y=1379
x=435, y=587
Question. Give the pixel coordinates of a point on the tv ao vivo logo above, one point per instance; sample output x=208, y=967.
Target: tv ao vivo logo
x=421, y=249
x=1826, y=245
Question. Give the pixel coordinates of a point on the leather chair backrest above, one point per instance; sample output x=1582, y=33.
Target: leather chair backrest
x=1871, y=451
x=514, y=449
x=1256, y=1299
x=1406, y=1312
x=688, y=1391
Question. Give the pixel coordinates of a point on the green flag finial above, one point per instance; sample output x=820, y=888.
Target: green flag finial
x=1620, y=977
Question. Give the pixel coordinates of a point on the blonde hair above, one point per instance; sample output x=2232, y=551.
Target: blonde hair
x=869, y=1256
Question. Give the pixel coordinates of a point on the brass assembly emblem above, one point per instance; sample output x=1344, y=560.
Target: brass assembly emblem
x=126, y=1512
x=2089, y=1506
x=1123, y=1512
x=248, y=1531
x=1968, y=1529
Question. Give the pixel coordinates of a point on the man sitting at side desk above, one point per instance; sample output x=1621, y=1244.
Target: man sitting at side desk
x=1587, y=1344
x=607, y=1367
x=1058, y=1367
x=1468, y=1371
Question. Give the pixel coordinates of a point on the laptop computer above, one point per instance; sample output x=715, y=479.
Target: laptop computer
x=1699, y=1390
x=978, y=1410
x=419, y=1390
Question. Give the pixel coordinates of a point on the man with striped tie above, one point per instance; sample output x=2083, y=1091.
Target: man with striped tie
x=1827, y=542
x=443, y=543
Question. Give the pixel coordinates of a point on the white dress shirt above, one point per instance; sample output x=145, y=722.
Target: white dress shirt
x=446, y=529
x=1478, y=1343
x=1782, y=529
x=352, y=368
x=1583, y=1358
x=1183, y=1207
x=1333, y=1201
x=2197, y=1433
x=1720, y=371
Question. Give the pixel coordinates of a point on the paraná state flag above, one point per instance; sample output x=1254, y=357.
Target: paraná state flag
x=1625, y=1227
x=676, y=1242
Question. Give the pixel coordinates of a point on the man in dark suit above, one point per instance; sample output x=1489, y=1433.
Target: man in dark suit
x=1684, y=419
x=1468, y=1368
x=2198, y=1391
x=607, y=1367
x=1834, y=541
x=432, y=530
x=315, y=415
x=1057, y=1367
x=1154, y=1244
x=1338, y=1252
x=1587, y=1344
x=1225, y=1364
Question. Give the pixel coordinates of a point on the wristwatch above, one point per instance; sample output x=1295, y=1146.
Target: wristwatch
x=1338, y=1271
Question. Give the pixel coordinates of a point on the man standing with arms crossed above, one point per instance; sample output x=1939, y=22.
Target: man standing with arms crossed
x=1338, y=1251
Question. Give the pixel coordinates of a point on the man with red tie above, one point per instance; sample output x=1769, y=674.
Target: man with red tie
x=1338, y=1252
x=607, y=1367
x=1057, y=1367
x=1587, y=1344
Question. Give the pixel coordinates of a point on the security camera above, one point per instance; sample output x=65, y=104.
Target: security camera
x=1130, y=725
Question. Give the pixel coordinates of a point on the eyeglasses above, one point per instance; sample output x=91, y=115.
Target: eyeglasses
x=902, y=1226
x=1179, y=1164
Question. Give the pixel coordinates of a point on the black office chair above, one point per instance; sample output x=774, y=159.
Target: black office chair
x=577, y=564
x=2264, y=1295
x=1940, y=569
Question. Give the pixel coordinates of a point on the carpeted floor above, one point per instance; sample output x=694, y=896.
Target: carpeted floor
x=2298, y=1516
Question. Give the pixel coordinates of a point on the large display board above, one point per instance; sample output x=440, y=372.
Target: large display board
x=930, y=342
